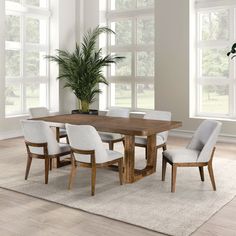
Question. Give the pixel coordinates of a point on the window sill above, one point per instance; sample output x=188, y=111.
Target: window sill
x=213, y=118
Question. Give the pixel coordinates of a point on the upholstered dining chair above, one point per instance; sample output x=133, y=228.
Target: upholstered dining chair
x=88, y=150
x=36, y=112
x=112, y=138
x=41, y=143
x=198, y=153
x=161, y=138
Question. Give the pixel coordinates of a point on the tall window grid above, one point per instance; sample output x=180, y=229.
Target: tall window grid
x=131, y=81
x=215, y=87
x=26, y=44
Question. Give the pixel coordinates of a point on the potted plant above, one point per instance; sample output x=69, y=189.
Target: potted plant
x=232, y=51
x=82, y=69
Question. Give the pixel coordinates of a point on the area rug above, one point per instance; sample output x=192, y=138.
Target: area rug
x=147, y=203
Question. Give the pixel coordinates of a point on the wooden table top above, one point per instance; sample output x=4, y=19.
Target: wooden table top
x=126, y=126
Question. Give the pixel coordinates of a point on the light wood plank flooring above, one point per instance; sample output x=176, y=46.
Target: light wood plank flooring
x=25, y=215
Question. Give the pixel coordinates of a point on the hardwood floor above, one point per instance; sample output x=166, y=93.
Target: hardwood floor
x=25, y=215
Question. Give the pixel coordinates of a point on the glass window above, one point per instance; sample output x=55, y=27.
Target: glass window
x=145, y=63
x=214, y=62
x=12, y=63
x=214, y=25
x=214, y=87
x=122, y=4
x=145, y=31
x=13, y=99
x=12, y=28
x=123, y=68
x=123, y=30
x=26, y=44
x=145, y=96
x=214, y=99
x=132, y=79
x=121, y=95
x=145, y=3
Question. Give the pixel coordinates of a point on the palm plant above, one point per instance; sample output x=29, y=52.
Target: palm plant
x=82, y=70
x=232, y=51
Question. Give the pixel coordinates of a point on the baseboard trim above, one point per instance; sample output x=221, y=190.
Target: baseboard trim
x=224, y=138
x=10, y=134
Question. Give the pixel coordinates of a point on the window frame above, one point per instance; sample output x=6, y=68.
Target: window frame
x=198, y=80
x=23, y=11
x=133, y=80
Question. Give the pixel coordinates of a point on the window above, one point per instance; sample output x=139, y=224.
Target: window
x=132, y=79
x=26, y=44
x=215, y=78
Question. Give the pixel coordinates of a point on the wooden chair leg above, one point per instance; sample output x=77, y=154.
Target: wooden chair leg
x=29, y=161
x=46, y=169
x=93, y=179
x=164, y=162
x=58, y=162
x=123, y=141
x=146, y=152
x=50, y=164
x=173, y=178
x=164, y=147
x=211, y=173
x=120, y=166
x=67, y=139
x=201, y=171
x=111, y=145
x=72, y=173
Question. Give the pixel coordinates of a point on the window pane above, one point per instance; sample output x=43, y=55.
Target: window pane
x=122, y=4
x=215, y=63
x=123, y=30
x=36, y=31
x=145, y=31
x=121, y=95
x=12, y=63
x=18, y=1
x=36, y=3
x=36, y=95
x=145, y=3
x=145, y=64
x=35, y=64
x=13, y=99
x=145, y=96
x=122, y=68
x=215, y=99
x=215, y=25
x=12, y=28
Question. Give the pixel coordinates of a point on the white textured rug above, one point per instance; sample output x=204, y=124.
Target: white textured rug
x=147, y=203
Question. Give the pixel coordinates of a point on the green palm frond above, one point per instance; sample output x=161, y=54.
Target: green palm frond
x=82, y=69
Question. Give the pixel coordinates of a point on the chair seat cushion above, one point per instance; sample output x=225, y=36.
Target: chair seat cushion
x=111, y=155
x=105, y=136
x=63, y=132
x=64, y=147
x=182, y=155
x=142, y=140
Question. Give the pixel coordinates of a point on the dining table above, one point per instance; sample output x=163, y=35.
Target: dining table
x=129, y=128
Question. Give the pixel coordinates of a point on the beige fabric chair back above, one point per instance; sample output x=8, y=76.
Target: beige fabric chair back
x=204, y=139
x=40, y=132
x=86, y=137
x=118, y=112
x=36, y=112
x=159, y=115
